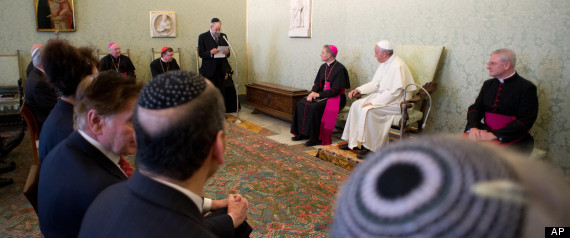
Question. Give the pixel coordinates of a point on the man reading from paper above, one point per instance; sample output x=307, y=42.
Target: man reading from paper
x=369, y=119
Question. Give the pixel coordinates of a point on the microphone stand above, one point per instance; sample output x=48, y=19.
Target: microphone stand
x=237, y=121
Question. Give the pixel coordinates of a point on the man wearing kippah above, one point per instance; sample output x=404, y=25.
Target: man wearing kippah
x=369, y=119
x=314, y=117
x=177, y=152
x=215, y=69
x=165, y=63
x=117, y=62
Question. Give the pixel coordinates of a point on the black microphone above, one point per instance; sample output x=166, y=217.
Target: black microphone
x=235, y=82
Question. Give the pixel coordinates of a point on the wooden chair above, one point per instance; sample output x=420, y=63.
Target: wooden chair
x=101, y=54
x=31, y=186
x=157, y=54
x=423, y=62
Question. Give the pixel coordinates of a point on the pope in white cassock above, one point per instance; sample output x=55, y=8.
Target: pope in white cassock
x=370, y=118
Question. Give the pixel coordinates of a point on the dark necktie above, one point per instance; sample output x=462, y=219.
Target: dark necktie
x=216, y=39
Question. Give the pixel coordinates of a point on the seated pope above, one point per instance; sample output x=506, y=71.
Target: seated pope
x=315, y=116
x=370, y=119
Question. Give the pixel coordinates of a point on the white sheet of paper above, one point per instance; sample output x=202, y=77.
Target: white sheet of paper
x=221, y=50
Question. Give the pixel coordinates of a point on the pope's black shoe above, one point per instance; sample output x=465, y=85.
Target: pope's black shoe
x=363, y=153
x=344, y=147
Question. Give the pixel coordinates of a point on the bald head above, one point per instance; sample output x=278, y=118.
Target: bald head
x=35, y=52
x=176, y=121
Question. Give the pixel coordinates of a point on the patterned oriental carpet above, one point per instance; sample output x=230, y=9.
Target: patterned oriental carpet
x=291, y=193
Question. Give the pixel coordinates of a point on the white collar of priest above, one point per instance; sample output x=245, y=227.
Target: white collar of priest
x=329, y=64
x=161, y=59
x=508, y=77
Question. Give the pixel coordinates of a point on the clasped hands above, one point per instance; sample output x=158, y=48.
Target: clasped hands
x=237, y=207
x=312, y=96
x=479, y=135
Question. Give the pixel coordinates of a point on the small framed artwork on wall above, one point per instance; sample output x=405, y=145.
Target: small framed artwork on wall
x=162, y=24
x=55, y=15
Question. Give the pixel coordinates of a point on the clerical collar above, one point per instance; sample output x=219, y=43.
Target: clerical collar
x=193, y=197
x=163, y=60
x=503, y=80
x=329, y=64
x=109, y=154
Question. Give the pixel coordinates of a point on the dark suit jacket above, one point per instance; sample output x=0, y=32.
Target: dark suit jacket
x=72, y=175
x=142, y=207
x=209, y=64
x=39, y=95
x=58, y=125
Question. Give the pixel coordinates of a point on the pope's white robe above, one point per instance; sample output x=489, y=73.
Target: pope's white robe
x=370, y=126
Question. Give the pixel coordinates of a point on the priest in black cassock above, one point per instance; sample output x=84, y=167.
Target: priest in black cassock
x=165, y=63
x=117, y=62
x=315, y=116
x=507, y=103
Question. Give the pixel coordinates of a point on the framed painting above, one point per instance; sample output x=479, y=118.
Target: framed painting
x=300, y=18
x=55, y=15
x=162, y=24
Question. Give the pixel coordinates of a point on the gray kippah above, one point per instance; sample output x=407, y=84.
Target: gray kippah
x=424, y=188
x=171, y=89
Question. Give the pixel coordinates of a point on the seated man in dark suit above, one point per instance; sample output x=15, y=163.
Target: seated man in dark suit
x=91, y=158
x=66, y=66
x=39, y=94
x=178, y=151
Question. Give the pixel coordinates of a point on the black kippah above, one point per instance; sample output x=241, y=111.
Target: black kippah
x=171, y=89
x=215, y=19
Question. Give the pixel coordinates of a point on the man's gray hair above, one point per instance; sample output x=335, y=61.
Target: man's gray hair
x=506, y=55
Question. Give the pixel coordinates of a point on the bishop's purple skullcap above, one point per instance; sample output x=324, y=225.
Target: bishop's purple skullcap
x=171, y=89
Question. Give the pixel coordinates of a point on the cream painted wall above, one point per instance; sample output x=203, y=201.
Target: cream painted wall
x=127, y=23
x=470, y=30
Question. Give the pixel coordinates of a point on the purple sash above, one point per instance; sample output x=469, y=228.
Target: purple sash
x=329, y=116
x=498, y=121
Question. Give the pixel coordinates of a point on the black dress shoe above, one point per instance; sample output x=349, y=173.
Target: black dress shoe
x=363, y=153
x=312, y=143
x=5, y=182
x=344, y=147
x=298, y=138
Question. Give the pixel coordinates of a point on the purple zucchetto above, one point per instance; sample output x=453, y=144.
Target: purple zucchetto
x=171, y=89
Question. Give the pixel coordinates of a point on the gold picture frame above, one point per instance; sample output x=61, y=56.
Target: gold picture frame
x=55, y=15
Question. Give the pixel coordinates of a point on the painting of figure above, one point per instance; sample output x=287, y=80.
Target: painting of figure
x=55, y=15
